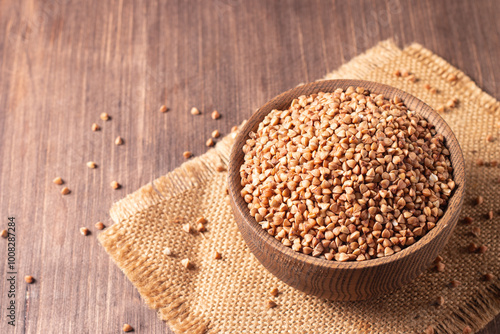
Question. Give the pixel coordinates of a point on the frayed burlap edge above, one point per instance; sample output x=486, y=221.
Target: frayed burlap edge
x=477, y=312
x=164, y=297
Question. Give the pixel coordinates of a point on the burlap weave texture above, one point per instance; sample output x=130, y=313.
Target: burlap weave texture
x=228, y=295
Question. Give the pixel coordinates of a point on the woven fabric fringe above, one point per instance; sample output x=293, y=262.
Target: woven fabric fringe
x=228, y=295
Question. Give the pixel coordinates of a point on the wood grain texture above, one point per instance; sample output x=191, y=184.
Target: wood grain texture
x=63, y=62
x=349, y=280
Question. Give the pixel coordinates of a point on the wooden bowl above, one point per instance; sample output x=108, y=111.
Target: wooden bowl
x=345, y=280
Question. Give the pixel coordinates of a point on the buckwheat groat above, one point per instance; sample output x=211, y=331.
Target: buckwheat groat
x=346, y=175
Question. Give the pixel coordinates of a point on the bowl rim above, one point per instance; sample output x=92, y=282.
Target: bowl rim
x=458, y=163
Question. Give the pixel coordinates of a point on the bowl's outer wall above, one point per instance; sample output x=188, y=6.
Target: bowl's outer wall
x=348, y=280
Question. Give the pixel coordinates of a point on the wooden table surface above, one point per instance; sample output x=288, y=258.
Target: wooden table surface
x=64, y=62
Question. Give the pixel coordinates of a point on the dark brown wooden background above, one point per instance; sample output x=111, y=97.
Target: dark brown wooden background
x=63, y=62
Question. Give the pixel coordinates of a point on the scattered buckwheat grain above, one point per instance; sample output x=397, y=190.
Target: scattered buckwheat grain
x=99, y=225
x=65, y=191
x=479, y=200
x=452, y=77
x=451, y=103
x=195, y=111
x=427, y=86
x=167, y=251
x=127, y=328
x=411, y=78
x=440, y=266
x=433, y=90
x=488, y=277
x=440, y=301
x=480, y=162
x=405, y=73
x=91, y=165
x=115, y=185
x=58, y=181
x=274, y=292
x=210, y=142
x=234, y=128
x=200, y=228
x=476, y=231
x=95, y=127
x=440, y=109
x=454, y=283
x=28, y=279
x=271, y=304
x=494, y=163
x=215, y=134
x=84, y=231
x=104, y=116
x=187, y=155
x=397, y=73
x=482, y=249
x=489, y=138
x=4, y=234
x=472, y=248
x=186, y=263
x=119, y=141
x=220, y=168
x=163, y=109
x=429, y=330
x=490, y=214
x=468, y=220
x=201, y=220
x=439, y=258
x=215, y=114
x=187, y=227
x=348, y=175
x=467, y=330
x=217, y=255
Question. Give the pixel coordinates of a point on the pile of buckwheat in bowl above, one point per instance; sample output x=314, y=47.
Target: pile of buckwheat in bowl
x=348, y=175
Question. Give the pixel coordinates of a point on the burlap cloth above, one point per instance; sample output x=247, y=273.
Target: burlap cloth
x=228, y=295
